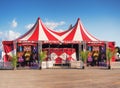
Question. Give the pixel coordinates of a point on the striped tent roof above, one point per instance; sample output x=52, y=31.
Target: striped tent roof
x=39, y=32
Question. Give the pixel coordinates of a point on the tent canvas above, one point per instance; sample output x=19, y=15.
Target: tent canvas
x=40, y=33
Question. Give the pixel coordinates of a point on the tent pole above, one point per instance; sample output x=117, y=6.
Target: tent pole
x=15, y=47
x=15, y=52
x=39, y=50
x=79, y=49
x=48, y=57
x=84, y=49
x=108, y=59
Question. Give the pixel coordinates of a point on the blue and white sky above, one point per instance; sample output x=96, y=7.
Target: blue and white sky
x=101, y=18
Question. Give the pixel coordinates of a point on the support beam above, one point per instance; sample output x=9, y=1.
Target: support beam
x=39, y=50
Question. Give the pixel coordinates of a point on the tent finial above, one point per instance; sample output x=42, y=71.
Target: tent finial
x=78, y=19
x=38, y=18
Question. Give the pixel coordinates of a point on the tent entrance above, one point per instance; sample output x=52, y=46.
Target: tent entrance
x=61, y=54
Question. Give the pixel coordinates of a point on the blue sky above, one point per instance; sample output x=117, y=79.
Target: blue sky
x=101, y=18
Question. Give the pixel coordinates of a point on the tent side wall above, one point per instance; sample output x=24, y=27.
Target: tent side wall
x=8, y=50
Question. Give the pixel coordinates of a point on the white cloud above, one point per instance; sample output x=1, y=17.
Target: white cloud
x=60, y=30
x=29, y=26
x=8, y=35
x=1, y=47
x=1, y=33
x=14, y=23
x=11, y=35
x=53, y=25
x=49, y=24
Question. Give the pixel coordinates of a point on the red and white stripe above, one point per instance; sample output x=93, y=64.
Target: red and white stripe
x=79, y=33
x=40, y=32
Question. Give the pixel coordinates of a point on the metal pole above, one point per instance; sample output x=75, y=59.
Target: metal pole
x=79, y=49
x=47, y=62
x=15, y=51
x=108, y=59
x=39, y=51
x=84, y=49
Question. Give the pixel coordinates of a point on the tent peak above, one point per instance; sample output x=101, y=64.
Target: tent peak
x=38, y=18
x=78, y=19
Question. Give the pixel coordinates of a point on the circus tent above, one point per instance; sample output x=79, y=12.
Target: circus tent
x=60, y=46
x=40, y=32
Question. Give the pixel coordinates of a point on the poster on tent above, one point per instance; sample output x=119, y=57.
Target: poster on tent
x=95, y=48
x=27, y=48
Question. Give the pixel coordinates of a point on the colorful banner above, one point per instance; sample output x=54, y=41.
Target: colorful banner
x=61, y=55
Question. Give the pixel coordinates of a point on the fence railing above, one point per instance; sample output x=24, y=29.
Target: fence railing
x=6, y=65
